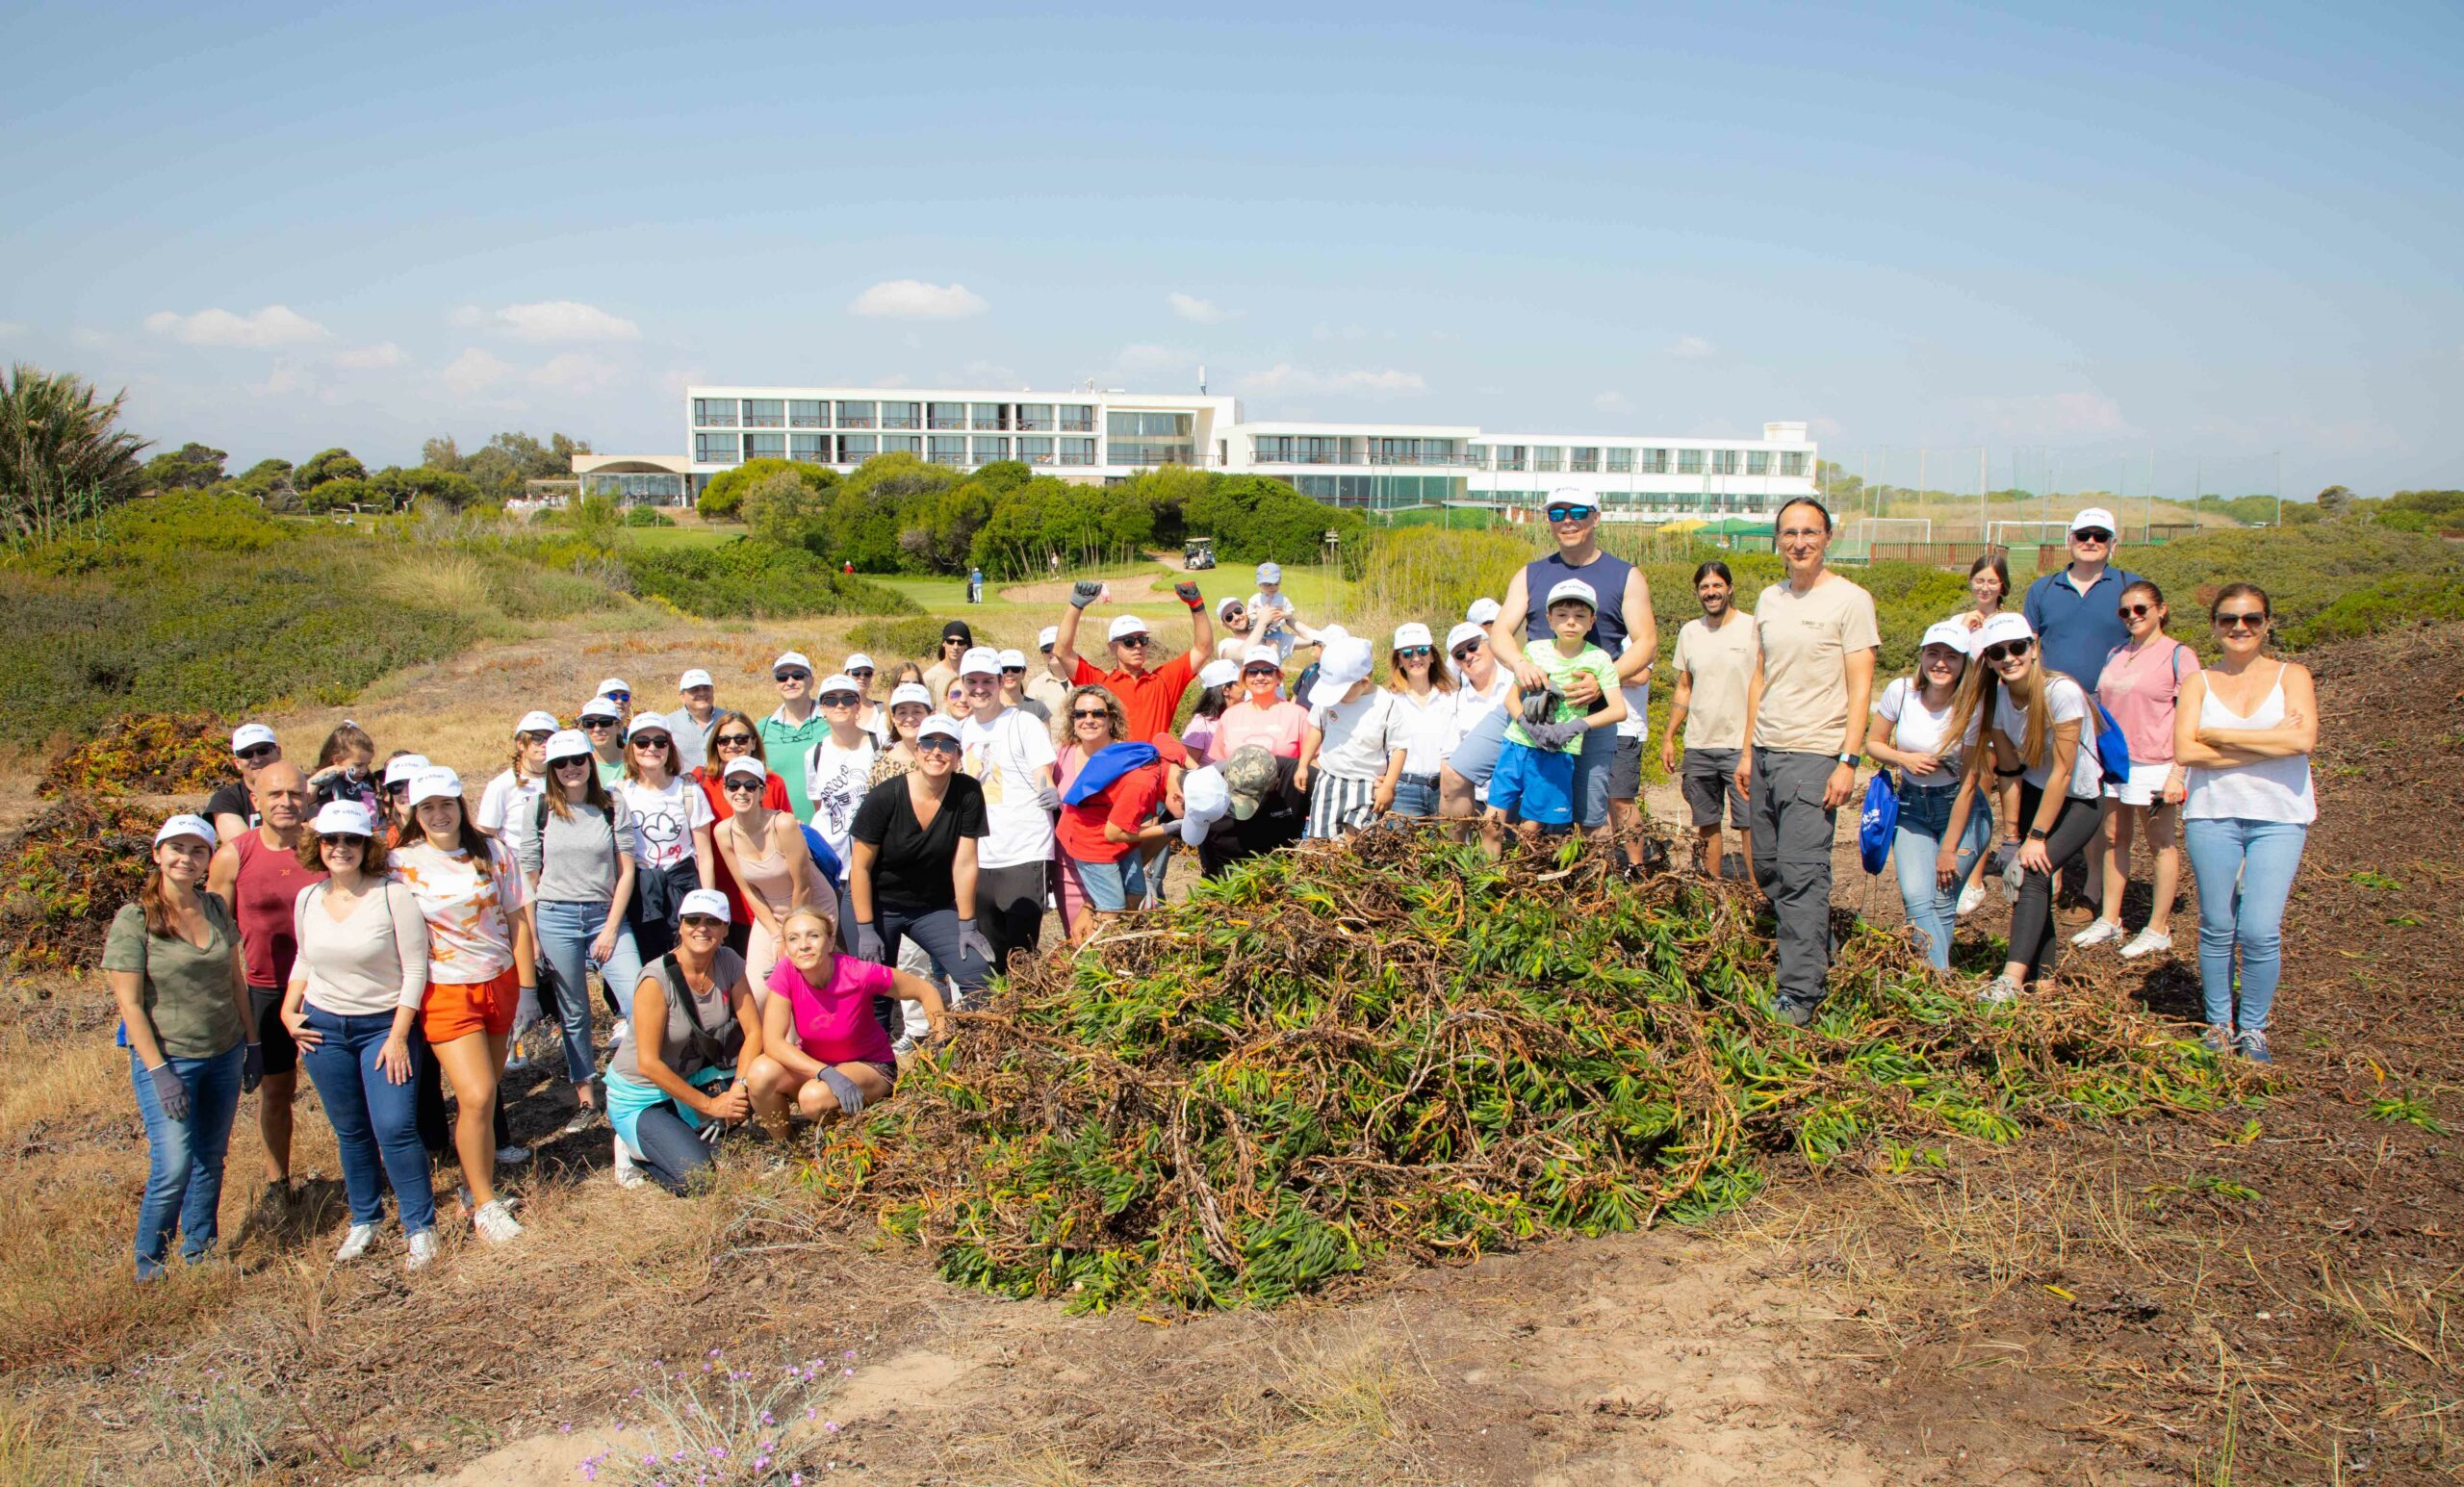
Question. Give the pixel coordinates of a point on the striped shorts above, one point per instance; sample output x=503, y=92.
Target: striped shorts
x=1338, y=804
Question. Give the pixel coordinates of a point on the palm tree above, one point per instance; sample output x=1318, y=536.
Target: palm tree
x=61, y=454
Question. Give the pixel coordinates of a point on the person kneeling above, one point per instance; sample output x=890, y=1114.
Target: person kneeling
x=825, y=1054
x=673, y=1087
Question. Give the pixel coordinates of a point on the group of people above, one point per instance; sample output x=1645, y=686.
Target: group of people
x=777, y=908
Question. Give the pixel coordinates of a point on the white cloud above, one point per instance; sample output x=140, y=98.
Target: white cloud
x=472, y=372
x=272, y=326
x=1189, y=307
x=370, y=358
x=914, y=299
x=2048, y=415
x=549, y=319
x=1691, y=349
x=1611, y=401
x=1285, y=377
x=574, y=372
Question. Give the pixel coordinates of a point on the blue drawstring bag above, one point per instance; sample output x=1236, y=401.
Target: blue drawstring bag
x=1878, y=824
x=2113, y=750
x=824, y=860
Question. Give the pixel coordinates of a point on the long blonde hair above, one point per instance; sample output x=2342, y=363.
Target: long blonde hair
x=1981, y=688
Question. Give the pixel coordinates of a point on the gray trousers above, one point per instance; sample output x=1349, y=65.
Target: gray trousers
x=1792, y=835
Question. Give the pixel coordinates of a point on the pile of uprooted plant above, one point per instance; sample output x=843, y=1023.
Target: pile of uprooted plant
x=1393, y=1049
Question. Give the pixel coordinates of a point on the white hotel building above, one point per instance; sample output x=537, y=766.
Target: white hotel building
x=1104, y=437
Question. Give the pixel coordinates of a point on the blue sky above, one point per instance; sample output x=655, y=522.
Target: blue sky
x=2089, y=238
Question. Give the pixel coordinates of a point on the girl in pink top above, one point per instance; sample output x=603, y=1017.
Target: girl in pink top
x=1264, y=716
x=826, y=1048
x=2141, y=677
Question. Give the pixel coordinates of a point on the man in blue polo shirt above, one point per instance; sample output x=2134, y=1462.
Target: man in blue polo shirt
x=2076, y=612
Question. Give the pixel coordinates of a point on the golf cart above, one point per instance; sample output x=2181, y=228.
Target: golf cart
x=1199, y=552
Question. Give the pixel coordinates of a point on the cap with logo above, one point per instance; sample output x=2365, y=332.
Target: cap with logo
x=1047, y=636
x=1261, y=655
x=568, y=743
x=1013, y=661
x=696, y=676
x=2094, y=518
x=1204, y=800
x=250, y=735
x=1467, y=631
x=1484, y=611
x=915, y=692
x=1343, y=663
x=1412, y=633
x=939, y=724
x=746, y=764
x=435, y=783
x=704, y=904
x=857, y=662
x=344, y=818
x=600, y=707
x=1270, y=573
x=1953, y=634
x=1126, y=625
x=789, y=659
x=1573, y=588
x=837, y=682
x=1224, y=606
x=184, y=825
x=979, y=661
x=537, y=721
x=400, y=769
x=1999, y=629
x=1218, y=673
x=613, y=686
x=648, y=723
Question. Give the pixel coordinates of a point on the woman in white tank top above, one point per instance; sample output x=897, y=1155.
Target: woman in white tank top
x=2244, y=728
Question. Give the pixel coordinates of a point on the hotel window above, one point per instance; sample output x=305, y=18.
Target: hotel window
x=855, y=415
x=985, y=414
x=765, y=446
x=902, y=415
x=987, y=450
x=715, y=449
x=1477, y=455
x=943, y=450
x=902, y=444
x=1586, y=459
x=714, y=411
x=1653, y=462
x=1690, y=462
x=855, y=448
x=1792, y=462
x=1548, y=457
x=807, y=412
x=945, y=415
x=1078, y=418
x=1079, y=451
x=1035, y=451
x=1512, y=456
x=766, y=413
x=1724, y=462
x=1621, y=462
x=1036, y=416
x=1757, y=462
x=811, y=448
x=1304, y=449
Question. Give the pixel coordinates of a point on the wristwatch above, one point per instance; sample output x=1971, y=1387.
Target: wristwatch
x=2036, y=834
x=1846, y=758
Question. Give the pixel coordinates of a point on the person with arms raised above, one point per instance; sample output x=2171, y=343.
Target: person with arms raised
x=1149, y=697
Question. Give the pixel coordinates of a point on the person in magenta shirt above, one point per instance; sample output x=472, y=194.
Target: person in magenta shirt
x=1263, y=717
x=2141, y=680
x=839, y=1059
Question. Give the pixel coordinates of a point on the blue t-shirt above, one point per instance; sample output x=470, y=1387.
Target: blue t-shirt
x=2078, y=631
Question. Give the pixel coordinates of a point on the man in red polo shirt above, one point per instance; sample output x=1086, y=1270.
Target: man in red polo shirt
x=1149, y=698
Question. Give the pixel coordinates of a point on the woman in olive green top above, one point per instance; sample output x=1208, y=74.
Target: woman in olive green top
x=173, y=960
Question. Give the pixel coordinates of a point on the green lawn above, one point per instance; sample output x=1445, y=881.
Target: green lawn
x=673, y=536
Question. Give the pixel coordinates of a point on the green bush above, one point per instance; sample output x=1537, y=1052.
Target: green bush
x=724, y=496
x=892, y=641
x=647, y=516
x=1256, y=520
x=756, y=579
x=2394, y=601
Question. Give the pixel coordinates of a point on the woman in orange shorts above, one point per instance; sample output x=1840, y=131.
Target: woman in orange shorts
x=480, y=960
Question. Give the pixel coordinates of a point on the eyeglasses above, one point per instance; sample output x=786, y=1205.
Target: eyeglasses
x=1261, y=670
x=2250, y=619
x=571, y=761
x=734, y=740
x=1046, y=649
x=940, y=742
x=2008, y=650
x=354, y=843
x=2137, y=612
x=2091, y=534
x=703, y=924
x=401, y=788
x=1415, y=653
x=618, y=696
x=651, y=743
x=839, y=698
x=1567, y=513
x=256, y=753
x=791, y=674
x=1014, y=671
x=1081, y=714
x=1468, y=651
x=741, y=784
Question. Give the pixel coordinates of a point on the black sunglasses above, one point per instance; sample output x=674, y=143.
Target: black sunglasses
x=355, y=843
x=861, y=671
x=534, y=736
x=655, y=741
x=744, y=741
x=792, y=675
x=704, y=923
x=399, y=787
x=1261, y=670
x=839, y=698
x=598, y=725
x=2248, y=620
x=1569, y=513
x=1139, y=641
x=1468, y=651
x=1995, y=656
x=1014, y=671
x=736, y=782
x=2091, y=534
x=1090, y=712
x=2137, y=612
x=256, y=752
x=940, y=742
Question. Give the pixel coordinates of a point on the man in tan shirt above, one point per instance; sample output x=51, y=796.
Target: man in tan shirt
x=1806, y=711
x=1714, y=666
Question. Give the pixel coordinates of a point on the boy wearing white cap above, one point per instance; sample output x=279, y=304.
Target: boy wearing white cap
x=1536, y=770
x=1351, y=755
x=690, y=725
x=253, y=747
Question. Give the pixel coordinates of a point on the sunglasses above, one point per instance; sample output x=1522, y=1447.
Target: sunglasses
x=2091, y=534
x=651, y=743
x=598, y=725
x=1569, y=513
x=403, y=788
x=2252, y=619
x=1014, y=671
x=792, y=675
x=861, y=672
x=571, y=761
x=354, y=843
x=1139, y=641
x=1261, y=670
x=734, y=740
x=1083, y=713
x=738, y=785
x=2137, y=612
x=618, y=696
x=839, y=700
x=1046, y=649
x=943, y=742
x=1415, y=653
x=1468, y=651
x=256, y=753
x=705, y=924
x=534, y=736
x=2008, y=650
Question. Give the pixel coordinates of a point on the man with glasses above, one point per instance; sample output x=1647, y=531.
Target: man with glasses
x=617, y=690
x=1625, y=610
x=956, y=639
x=2076, y=613
x=1232, y=617
x=1148, y=698
x=1009, y=753
x=232, y=806
x=789, y=733
x=1013, y=687
x=257, y=872
x=690, y=725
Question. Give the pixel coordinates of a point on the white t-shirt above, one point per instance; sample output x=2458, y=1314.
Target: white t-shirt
x=665, y=820
x=835, y=781
x=1422, y=729
x=1637, y=722
x=1359, y=735
x=1917, y=728
x=1470, y=706
x=1011, y=756
x=506, y=796
x=2068, y=703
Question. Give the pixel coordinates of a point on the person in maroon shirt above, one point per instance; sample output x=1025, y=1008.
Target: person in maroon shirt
x=258, y=874
x=1148, y=698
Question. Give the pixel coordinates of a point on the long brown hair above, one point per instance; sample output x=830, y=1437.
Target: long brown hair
x=1441, y=677
x=593, y=793
x=374, y=860
x=155, y=896
x=719, y=722
x=347, y=739
x=1981, y=688
x=472, y=839
x=633, y=761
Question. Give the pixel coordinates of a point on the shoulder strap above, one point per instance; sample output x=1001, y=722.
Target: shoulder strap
x=539, y=820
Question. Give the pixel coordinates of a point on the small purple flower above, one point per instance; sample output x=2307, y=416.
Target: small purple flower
x=830, y=1425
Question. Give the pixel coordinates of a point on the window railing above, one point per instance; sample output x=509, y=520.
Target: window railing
x=1511, y=462
x=900, y=421
x=1077, y=425
x=1077, y=459
x=1043, y=425
x=807, y=421
x=1551, y=463
x=765, y=421
x=716, y=421
x=856, y=421
x=942, y=421
x=1581, y=466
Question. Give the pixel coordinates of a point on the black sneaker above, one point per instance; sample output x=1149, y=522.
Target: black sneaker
x=1795, y=1013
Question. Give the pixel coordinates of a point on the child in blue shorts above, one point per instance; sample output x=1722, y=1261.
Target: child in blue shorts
x=1535, y=772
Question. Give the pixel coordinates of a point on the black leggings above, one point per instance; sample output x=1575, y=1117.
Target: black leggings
x=1009, y=909
x=2031, y=923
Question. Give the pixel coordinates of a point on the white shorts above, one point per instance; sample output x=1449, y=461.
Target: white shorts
x=2145, y=786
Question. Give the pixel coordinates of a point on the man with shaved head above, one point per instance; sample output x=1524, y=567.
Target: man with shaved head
x=257, y=873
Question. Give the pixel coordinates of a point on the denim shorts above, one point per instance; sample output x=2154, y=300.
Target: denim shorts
x=1110, y=887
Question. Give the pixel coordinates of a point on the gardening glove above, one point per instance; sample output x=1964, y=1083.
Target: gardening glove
x=1553, y=736
x=169, y=1093
x=868, y=943
x=252, y=1069
x=1540, y=707
x=971, y=939
x=1085, y=592
x=1186, y=593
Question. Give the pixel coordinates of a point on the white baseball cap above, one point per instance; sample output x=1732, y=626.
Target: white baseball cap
x=1467, y=631
x=1270, y=573
x=1218, y=673
x=1412, y=633
x=1571, y=588
x=979, y=661
x=791, y=658
x=837, y=682
x=1204, y=800
x=399, y=771
x=1126, y=625
x=1261, y=655
x=344, y=818
x=940, y=723
x=907, y=692
x=707, y=903
x=600, y=707
x=2001, y=628
x=1013, y=661
x=1330, y=633
x=1228, y=603
x=1047, y=636
x=1953, y=634
x=857, y=662
x=248, y=735
x=1484, y=611
x=2097, y=517
x=692, y=679
x=746, y=764
x=568, y=743
x=435, y=783
x=613, y=685
x=650, y=723
x=537, y=721
x=1345, y=663
x=184, y=825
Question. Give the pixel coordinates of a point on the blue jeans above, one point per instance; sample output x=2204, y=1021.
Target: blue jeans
x=184, y=1186
x=1415, y=798
x=376, y=1121
x=565, y=933
x=2262, y=856
x=1924, y=816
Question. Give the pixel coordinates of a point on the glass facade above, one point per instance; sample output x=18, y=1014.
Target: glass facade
x=1586, y=459
x=1548, y=457
x=714, y=411
x=945, y=415
x=1724, y=462
x=1380, y=492
x=1151, y=438
x=1652, y=462
x=807, y=412
x=1077, y=418
x=943, y=449
x=855, y=415
x=1757, y=462
x=902, y=415
x=986, y=415
x=1792, y=462
x=1307, y=450
x=1036, y=451
x=1036, y=416
x=902, y=444
x=715, y=449
x=811, y=448
x=855, y=448
x=635, y=490
x=766, y=413
x=1078, y=451
x=765, y=446
x=1621, y=461
x=987, y=450
x=1690, y=462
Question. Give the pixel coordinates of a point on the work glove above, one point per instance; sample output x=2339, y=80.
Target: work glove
x=252, y=1069
x=1186, y=593
x=868, y=944
x=971, y=939
x=1540, y=707
x=1553, y=736
x=1085, y=592
x=169, y=1093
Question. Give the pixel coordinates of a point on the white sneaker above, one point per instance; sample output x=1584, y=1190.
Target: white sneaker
x=494, y=1225
x=2097, y=933
x=584, y=1116
x=422, y=1251
x=628, y=1174
x=356, y=1243
x=1973, y=897
x=2145, y=942
x=1998, y=990
x=512, y=1156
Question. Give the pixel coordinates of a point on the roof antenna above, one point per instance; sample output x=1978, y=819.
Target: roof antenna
x=1201, y=380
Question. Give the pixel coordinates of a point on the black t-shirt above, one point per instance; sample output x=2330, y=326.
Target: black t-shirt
x=233, y=800
x=911, y=863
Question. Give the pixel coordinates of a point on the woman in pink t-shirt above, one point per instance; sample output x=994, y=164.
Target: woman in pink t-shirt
x=826, y=1050
x=1264, y=716
x=2141, y=677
